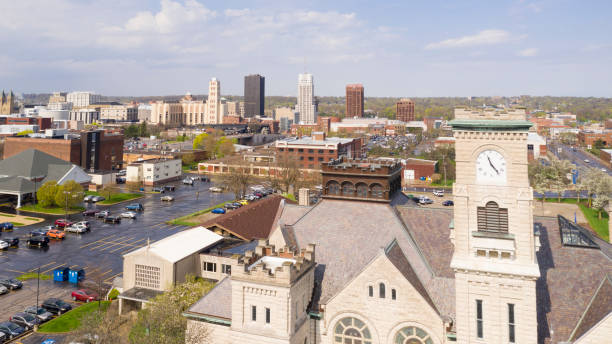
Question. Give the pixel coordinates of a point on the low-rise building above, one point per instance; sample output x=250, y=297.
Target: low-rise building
x=589, y=137
x=119, y=113
x=155, y=268
x=416, y=169
x=606, y=156
x=154, y=171
x=86, y=115
x=43, y=123
x=82, y=99
x=312, y=151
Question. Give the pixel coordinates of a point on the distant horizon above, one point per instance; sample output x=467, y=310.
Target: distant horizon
x=395, y=49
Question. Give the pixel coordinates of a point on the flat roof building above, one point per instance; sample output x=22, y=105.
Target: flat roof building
x=354, y=100
x=311, y=151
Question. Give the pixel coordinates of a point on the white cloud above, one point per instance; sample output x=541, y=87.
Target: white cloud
x=528, y=52
x=485, y=37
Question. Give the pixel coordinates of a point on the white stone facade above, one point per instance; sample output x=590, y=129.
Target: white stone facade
x=305, y=100
x=82, y=99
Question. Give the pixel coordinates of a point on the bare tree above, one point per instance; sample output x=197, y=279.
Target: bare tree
x=238, y=179
x=287, y=171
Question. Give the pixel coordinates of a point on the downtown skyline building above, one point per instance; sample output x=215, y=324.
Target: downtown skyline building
x=354, y=100
x=254, y=95
x=404, y=110
x=305, y=100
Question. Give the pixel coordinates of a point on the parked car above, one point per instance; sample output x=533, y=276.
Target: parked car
x=3, y=337
x=122, y=173
x=97, y=199
x=112, y=219
x=188, y=181
x=38, y=241
x=439, y=193
x=128, y=215
x=167, y=198
x=11, y=330
x=61, y=223
x=169, y=187
x=3, y=245
x=243, y=202
x=11, y=283
x=39, y=232
x=134, y=207
x=25, y=320
x=3, y=290
x=6, y=226
x=56, y=234
x=90, y=212
x=120, y=180
x=230, y=206
x=84, y=295
x=448, y=203
x=205, y=179
x=259, y=194
x=76, y=228
x=215, y=189
x=56, y=306
x=87, y=198
x=218, y=211
x=12, y=241
x=587, y=161
x=84, y=223
x=102, y=214
x=158, y=189
x=39, y=312
x=425, y=200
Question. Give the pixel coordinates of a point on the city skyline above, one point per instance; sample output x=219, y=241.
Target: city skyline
x=146, y=48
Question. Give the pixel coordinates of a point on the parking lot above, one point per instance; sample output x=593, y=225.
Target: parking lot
x=99, y=252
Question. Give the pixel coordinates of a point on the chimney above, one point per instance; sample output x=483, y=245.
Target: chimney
x=304, y=197
x=318, y=135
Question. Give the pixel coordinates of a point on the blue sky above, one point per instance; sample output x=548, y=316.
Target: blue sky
x=395, y=48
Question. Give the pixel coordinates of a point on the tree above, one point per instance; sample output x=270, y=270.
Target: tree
x=224, y=147
x=46, y=194
x=142, y=130
x=162, y=322
x=287, y=171
x=238, y=179
x=69, y=195
x=98, y=327
x=109, y=191
x=562, y=168
x=599, y=203
x=599, y=144
x=188, y=159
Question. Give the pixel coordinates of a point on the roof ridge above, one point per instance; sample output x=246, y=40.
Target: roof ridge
x=588, y=307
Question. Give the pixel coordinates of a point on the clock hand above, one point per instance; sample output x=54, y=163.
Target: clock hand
x=490, y=163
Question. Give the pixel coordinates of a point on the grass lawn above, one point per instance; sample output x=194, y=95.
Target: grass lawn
x=8, y=215
x=183, y=220
x=33, y=275
x=53, y=210
x=600, y=226
x=18, y=224
x=70, y=321
x=449, y=183
x=116, y=198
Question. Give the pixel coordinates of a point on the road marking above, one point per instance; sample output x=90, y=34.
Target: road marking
x=108, y=280
x=53, y=268
x=110, y=242
x=42, y=266
x=106, y=237
x=122, y=243
x=17, y=271
x=132, y=244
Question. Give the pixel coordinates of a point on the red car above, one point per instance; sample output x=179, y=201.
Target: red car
x=84, y=295
x=61, y=223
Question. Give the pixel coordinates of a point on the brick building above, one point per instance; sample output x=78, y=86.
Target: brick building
x=42, y=122
x=588, y=138
x=415, y=169
x=404, y=110
x=354, y=100
x=92, y=150
x=314, y=150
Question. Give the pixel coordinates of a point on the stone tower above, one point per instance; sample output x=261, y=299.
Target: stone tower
x=8, y=104
x=494, y=257
x=271, y=291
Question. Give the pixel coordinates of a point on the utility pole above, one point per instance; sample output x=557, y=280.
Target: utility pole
x=37, y=288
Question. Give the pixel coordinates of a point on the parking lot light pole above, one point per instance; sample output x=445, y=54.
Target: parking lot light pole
x=37, y=288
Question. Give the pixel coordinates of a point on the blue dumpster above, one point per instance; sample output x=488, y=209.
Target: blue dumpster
x=76, y=275
x=60, y=274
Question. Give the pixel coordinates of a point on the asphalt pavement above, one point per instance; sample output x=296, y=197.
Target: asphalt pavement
x=577, y=157
x=100, y=251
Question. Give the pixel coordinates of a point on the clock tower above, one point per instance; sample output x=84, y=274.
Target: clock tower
x=494, y=256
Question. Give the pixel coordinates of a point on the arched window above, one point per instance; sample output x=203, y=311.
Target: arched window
x=348, y=189
x=352, y=331
x=393, y=294
x=492, y=218
x=376, y=190
x=371, y=291
x=381, y=290
x=362, y=190
x=333, y=188
x=412, y=335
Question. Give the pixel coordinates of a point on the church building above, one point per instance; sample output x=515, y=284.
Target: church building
x=367, y=265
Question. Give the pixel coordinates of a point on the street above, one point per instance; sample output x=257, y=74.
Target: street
x=577, y=157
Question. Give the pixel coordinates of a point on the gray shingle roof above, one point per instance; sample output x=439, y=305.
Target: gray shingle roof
x=16, y=184
x=217, y=303
x=33, y=163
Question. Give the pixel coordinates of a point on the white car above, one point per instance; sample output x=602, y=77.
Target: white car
x=215, y=189
x=76, y=228
x=3, y=290
x=439, y=193
x=129, y=215
x=167, y=198
x=3, y=245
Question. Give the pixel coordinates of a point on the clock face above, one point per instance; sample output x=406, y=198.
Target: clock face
x=491, y=167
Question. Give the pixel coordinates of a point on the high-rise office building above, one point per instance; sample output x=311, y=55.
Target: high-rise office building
x=404, y=110
x=83, y=99
x=354, y=100
x=254, y=95
x=213, y=115
x=305, y=101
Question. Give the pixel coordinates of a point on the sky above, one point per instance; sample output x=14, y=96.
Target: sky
x=403, y=48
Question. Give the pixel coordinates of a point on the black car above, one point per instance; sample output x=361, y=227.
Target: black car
x=40, y=241
x=120, y=180
x=12, y=241
x=205, y=179
x=169, y=187
x=11, y=283
x=25, y=320
x=90, y=212
x=11, y=330
x=39, y=312
x=56, y=306
x=448, y=203
x=39, y=232
x=112, y=219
